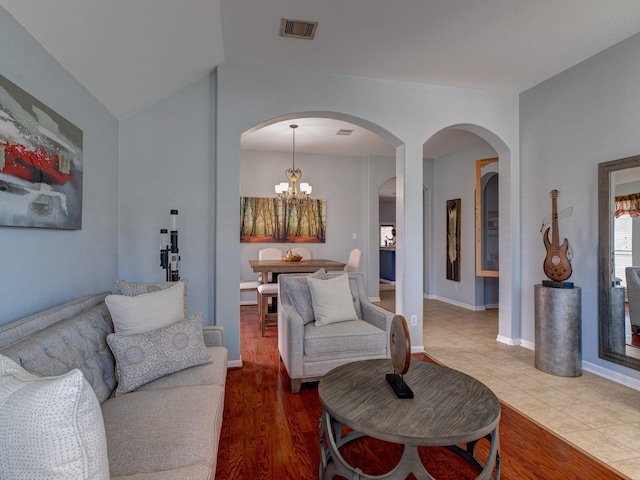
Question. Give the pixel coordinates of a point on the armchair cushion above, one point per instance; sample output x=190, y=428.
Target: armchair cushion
x=331, y=300
x=356, y=338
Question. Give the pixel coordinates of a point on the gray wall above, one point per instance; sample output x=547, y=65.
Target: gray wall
x=568, y=124
x=346, y=200
x=405, y=114
x=164, y=165
x=42, y=267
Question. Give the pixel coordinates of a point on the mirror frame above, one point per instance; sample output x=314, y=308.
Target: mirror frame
x=606, y=279
x=481, y=272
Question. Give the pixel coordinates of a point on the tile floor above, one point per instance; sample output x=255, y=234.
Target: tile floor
x=600, y=417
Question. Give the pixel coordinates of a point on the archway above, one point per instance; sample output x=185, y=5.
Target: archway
x=322, y=164
x=477, y=142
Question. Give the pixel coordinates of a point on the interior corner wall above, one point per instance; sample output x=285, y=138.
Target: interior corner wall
x=455, y=176
x=568, y=125
x=164, y=165
x=44, y=267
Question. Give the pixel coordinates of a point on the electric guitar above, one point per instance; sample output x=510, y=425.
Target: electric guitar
x=557, y=265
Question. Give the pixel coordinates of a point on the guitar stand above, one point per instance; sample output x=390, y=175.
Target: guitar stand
x=399, y=386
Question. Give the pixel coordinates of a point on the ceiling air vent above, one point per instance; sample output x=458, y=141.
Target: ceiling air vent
x=298, y=28
x=344, y=131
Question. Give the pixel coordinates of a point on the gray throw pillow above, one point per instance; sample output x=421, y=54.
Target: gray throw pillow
x=299, y=294
x=143, y=357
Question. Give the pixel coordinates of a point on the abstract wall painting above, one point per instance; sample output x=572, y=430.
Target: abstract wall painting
x=453, y=240
x=40, y=163
x=268, y=220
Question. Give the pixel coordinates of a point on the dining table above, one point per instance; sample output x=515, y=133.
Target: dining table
x=264, y=267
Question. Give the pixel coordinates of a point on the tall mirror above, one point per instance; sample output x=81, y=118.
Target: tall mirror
x=619, y=261
x=487, y=228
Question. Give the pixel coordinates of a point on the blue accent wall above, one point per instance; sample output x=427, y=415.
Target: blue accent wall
x=43, y=267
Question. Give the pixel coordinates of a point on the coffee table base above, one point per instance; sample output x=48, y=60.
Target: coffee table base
x=332, y=463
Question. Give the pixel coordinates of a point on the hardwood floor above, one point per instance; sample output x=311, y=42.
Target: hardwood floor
x=269, y=433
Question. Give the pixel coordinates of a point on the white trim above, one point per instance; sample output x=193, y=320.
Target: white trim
x=508, y=341
x=374, y=299
x=418, y=349
x=235, y=363
x=527, y=344
x=459, y=304
x=613, y=376
x=248, y=302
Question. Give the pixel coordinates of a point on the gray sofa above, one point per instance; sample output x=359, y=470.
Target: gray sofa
x=309, y=351
x=166, y=429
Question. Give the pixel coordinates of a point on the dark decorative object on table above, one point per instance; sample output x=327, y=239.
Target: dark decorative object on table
x=400, y=343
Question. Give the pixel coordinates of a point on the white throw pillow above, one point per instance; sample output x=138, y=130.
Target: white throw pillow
x=148, y=311
x=52, y=427
x=331, y=299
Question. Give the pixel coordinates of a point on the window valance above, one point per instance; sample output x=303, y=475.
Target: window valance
x=629, y=204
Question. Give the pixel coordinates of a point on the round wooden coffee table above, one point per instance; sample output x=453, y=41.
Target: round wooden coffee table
x=449, y=409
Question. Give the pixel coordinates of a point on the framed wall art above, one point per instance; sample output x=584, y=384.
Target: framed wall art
x=40, y=163
x=270, y=220
x=453, y=240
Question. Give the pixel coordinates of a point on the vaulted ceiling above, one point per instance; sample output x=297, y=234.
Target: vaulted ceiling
x=131, y=53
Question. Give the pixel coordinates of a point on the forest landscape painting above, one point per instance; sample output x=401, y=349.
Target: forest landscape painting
x=269, y=220
x=40, y=163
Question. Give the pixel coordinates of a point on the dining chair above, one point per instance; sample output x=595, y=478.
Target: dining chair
x=267, y=292
x=305, y=253
x=270, y=254
x=263, y=254
x=353, y=264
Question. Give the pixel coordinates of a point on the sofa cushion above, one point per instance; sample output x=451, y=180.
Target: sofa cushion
x=214, y=373
x=51, y=427
x=147, y=311
x=76, y=342
x=331, y=300
x=344, y=339
x=133, y=289
x=143, y=357
x=153, y=431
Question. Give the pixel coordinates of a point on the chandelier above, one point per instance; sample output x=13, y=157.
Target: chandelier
x=293, y=191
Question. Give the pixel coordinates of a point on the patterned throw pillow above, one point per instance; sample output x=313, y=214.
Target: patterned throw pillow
x=141, y=358
x=133, y=289
x=299, y=294
x=52, y=427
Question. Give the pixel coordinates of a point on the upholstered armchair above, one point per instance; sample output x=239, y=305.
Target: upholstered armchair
x=310, y=343
x=633, y=296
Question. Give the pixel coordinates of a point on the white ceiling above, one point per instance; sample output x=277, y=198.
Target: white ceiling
x=131, y=53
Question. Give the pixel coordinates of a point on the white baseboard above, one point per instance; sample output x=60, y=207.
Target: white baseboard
x=459, y=304
x=374, y=299
x=235, y=363
x=248, y=302
x=508, y=341
x=417, y=349
x=613, y=376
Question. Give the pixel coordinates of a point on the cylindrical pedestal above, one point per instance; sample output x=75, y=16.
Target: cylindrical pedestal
x=558, y=320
